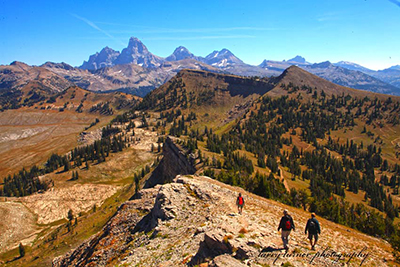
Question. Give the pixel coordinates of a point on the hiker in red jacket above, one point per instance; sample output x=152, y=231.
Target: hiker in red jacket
x=286, y=224
x=240, y=203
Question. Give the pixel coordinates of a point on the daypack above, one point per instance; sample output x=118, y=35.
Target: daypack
x=312, y=226
x=240, y=200
x=288, y=225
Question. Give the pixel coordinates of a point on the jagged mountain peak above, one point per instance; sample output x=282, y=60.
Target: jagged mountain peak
x=104, y=58
x=108, y=50
x=137, y=53
x=298, y=59
x=180, y=53
x=222, y=58
x=181, y=49
x=266, y=64
x=325, y=64
x=136, y=43
x=223, y=53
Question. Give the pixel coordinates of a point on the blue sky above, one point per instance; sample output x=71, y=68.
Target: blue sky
x=362, y=31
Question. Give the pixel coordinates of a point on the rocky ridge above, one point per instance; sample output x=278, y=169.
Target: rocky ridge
x=18, y=75
x=193, y=221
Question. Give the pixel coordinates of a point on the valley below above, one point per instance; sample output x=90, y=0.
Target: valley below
x=29, y=137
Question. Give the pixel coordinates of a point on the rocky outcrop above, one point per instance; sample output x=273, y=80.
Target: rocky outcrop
x=105, y=58
x=115, y=238
x=193, y=221
x=174, y=162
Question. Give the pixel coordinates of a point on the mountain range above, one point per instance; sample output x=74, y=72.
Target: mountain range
x=137, y=71
x=343, y=73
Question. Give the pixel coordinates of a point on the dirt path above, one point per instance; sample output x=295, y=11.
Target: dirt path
x=261, y=217
x=284, y=180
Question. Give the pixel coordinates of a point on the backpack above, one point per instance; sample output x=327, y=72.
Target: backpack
x=312, y=226
x=288, y=224
x=240, y=200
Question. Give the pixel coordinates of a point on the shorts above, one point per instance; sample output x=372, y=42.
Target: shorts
x=311, y=235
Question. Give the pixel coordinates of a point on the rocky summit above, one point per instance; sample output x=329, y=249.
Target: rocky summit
x=105, y=58
x=137, y=53
x=193, y=221
x=181, y=53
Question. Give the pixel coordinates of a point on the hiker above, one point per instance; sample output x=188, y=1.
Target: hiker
x=313, y=228
x=240, y=203
x=286, y=224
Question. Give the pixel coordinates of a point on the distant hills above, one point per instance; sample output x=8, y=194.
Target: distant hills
x=24, y=85
x=351, y=78
x=19, y=75
x=390, y=75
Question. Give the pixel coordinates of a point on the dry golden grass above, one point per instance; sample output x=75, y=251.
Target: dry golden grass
x=29, y=137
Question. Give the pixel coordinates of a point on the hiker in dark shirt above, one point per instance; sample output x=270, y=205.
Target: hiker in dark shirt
x=240, y=203
x=313, y=228
x=286, y=224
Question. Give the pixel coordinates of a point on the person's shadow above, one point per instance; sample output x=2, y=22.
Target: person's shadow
x=271, y=249
x=15, y=258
